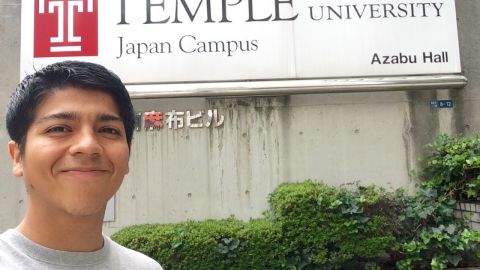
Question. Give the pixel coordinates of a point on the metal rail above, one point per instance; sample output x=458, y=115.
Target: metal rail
x=301, y=86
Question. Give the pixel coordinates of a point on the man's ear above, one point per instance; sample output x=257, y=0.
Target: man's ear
x=17, y=165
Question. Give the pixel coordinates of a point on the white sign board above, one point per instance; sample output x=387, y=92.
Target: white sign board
x=161, y=41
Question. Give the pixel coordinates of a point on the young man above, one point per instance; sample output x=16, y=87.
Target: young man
x=71, y=126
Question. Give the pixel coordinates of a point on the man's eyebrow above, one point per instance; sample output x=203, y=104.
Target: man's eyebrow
x=62, y=115
x=71, y=116
x=108, y=117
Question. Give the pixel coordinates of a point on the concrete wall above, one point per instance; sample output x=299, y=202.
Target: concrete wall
x=12, y=194
x=467, y=113
x=215, y=172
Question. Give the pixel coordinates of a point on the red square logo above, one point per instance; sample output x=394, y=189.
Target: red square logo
x=66, y=28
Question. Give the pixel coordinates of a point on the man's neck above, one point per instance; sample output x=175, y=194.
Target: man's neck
x=61, y=231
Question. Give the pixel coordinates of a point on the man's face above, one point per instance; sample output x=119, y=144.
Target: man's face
x=76, y=152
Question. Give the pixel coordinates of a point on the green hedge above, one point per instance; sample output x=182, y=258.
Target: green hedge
x=310, y=226
x=210, y=244
x=329, y=227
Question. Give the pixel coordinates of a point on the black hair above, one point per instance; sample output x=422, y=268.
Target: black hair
x=33, y=89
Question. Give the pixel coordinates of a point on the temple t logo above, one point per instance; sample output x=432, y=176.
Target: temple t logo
x=66, y=28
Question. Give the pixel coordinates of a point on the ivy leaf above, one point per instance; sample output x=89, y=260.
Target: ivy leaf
x=454, y=259
x=471, y=193
x=335, y=204
x=451, y=229
x=222, y=249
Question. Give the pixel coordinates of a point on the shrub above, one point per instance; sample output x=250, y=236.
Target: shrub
x=153, y=240
x=453, y=166
x=428, y=236
x=206, y=245
x=328, y=228
x=261, y=246
x=311, y=226
x=314, y=226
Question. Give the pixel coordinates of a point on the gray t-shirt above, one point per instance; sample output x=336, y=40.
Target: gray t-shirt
x=18, y=252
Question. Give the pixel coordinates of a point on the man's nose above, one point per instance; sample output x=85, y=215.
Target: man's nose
x=86, y=142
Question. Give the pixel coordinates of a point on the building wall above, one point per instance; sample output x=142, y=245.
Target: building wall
x=374, y=137
x=12, y=194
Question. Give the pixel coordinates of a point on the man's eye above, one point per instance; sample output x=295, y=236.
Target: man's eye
x=57, y=129
x=110, y=130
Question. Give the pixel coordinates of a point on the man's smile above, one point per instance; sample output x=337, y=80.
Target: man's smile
x=84, y=171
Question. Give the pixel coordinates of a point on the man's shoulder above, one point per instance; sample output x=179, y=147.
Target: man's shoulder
x=10, y=255
x=15, y=253
x=132, y=258
x=3, y=245
x=5, y=235
x=7, y=241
